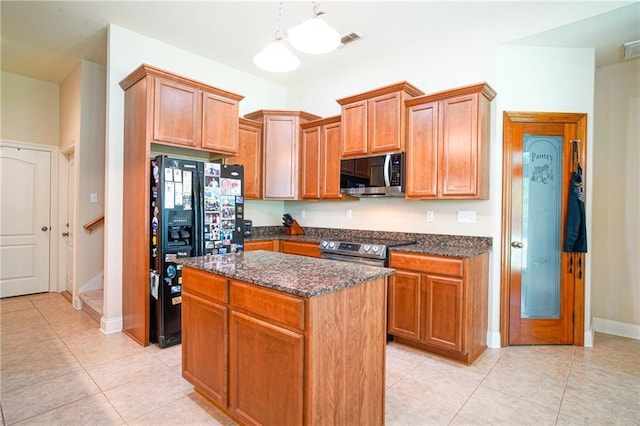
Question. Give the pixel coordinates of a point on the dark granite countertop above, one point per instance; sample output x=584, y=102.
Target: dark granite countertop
x=300, y=275
x=434, y=244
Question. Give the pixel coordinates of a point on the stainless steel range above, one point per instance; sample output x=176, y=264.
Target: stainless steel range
x=366, y=251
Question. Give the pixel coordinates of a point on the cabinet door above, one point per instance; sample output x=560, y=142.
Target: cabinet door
x=176, y=114
x=266, y=372
x=250, y=155
x=442, y=312
x=219, y=124
x=458, y=165
x=354, y=129
x=281, y=134
x=204, y=346
x=385, y=123
x=330, y=162
x=404, y=304
x=422, y=151
x=310, y=167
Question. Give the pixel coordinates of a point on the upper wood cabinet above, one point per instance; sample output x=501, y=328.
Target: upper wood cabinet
x=187, y=113
x=281, y=151
x=374, y=122
x=320, y=159
x=448, y=138
x=250, y=155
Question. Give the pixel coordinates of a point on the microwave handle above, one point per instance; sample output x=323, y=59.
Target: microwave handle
x=387, y=170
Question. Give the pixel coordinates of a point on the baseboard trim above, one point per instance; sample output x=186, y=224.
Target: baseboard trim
x=616, y=328
x=109, y=326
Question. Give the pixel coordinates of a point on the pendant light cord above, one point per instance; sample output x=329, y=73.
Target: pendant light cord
x=278, y=21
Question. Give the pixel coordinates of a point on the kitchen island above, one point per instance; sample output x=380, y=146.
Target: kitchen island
x=279, y=339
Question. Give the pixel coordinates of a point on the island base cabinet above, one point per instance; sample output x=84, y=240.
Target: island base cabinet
x=266, y=373
x=204, y=355
x=291, y=360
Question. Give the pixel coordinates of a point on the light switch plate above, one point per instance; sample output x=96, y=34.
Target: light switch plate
x=348, y=214
x=466, y=216
x=94, y=197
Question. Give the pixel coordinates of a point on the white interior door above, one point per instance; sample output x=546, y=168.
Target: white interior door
x=25, y=208
x=69, y=233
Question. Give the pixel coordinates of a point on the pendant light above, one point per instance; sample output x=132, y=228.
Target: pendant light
x=314, y=35
x=276, y=56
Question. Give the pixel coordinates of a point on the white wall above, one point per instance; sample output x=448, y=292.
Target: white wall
x=90, y=163
x=126, y=51
x=551, y=80
x=30, y=110
x=615, y=240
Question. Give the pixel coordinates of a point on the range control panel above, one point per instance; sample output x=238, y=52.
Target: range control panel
x=378, y=251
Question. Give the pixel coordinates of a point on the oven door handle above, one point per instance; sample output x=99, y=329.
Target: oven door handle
x=353, y=259
x=387, y=170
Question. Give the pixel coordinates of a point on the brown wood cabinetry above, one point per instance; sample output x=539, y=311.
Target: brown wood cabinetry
x=301, y=248
x=204, y=360
x=289, y=359
x=374, y=122
x=448, y=138
x=186, y=113
x=250, y=155
x=281, y=151
x=320, y=171
x=166, y=109
x=271, y=245
x=440, y=303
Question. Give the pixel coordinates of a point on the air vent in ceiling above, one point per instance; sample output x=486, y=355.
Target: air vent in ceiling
x=632, y=49
x=350, y=38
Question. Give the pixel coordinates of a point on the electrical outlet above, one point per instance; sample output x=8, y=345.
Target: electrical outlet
x=347, y=214
x=303, y=214
x=466, y=216
x=429, y=215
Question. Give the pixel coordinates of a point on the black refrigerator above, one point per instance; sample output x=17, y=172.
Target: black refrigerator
x=196, y=208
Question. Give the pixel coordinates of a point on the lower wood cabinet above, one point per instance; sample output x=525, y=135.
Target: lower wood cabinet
x=440, y=304
x=266, y=372
x=204, y=349
x=266, y=357
x=301, y=248
x=270, y=245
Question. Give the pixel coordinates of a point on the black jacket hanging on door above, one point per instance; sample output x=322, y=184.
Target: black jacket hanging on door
x=575, y=233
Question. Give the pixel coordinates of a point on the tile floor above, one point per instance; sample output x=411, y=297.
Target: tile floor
x=57, y=368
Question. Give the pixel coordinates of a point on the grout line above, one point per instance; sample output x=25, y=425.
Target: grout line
x=479, y=384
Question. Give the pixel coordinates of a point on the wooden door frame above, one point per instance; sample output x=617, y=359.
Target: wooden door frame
x=510, y=117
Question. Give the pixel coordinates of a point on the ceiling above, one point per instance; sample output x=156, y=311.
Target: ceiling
x=45, y=40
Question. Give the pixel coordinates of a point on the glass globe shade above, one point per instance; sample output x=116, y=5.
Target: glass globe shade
x=276, y=57
x=314, y=36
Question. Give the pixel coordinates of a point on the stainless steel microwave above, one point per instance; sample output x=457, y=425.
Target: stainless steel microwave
x=378, y=176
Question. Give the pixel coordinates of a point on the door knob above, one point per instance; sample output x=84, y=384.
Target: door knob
x=517, y=244
x=65, y=234
x=45, y=228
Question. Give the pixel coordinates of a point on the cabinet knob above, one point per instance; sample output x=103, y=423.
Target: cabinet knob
x=517, y=244
x=65, y=234
x=45, y=228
